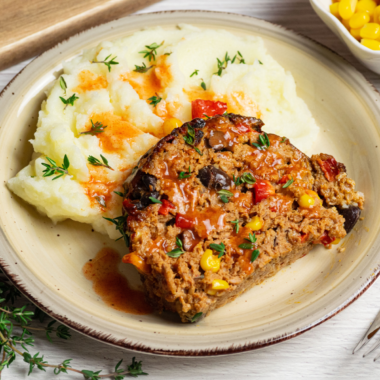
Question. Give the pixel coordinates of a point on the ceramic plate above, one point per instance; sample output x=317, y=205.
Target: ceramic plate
x=48, y=268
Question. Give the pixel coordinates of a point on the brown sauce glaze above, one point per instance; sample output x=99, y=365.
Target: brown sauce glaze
x=112, y=286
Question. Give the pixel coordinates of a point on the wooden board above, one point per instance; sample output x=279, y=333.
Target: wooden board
x=28, y=27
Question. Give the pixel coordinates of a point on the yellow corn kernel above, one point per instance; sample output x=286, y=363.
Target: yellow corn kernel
x=306, y=201
x=219, y=285
x=347, y=8
x=170, y=124
x=358, y=20
x=334, y=9
x=346, y=23
x=255, y=224
x=355, y=33
x=366, y=6
x=376, y=15
x=336, y=241
x=370, y=31
x=209, y=261
x=371, y=44
x=212, y=292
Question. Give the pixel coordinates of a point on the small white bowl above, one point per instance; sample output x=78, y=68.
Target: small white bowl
x=369, y=58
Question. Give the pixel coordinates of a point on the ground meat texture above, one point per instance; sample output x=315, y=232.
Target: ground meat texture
x=221, y=185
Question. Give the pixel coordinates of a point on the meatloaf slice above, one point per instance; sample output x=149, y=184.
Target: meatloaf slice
x=219, y=206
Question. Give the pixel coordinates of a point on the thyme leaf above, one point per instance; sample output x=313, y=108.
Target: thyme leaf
x=182, y=175
x=53, y=168
x=203, y=85
x=69, y=101
x=194, y=73
x=255, y=255
x=195, y=317
x=287, y=184
x=236, y=222
x=143, y=68
x=245, y=178
x=96, y=128
x=154, y=100
x=151, y=51
x=224, y=195
x=62, y=83
x=221, y=248
x=107, y=63
x=155, y=200
x=263, y=142
x=120, y=223
x=96, y=162
x=176, y=252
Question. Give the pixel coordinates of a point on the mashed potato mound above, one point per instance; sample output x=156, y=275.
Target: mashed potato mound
x=252, y=84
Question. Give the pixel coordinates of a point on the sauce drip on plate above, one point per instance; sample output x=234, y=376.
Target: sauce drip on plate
x=112, y=286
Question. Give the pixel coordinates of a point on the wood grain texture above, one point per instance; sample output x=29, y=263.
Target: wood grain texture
x=322, y=353
x=29, y=27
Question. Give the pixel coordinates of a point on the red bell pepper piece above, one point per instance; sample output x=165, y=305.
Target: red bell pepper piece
x=262, y=190
x=242, y=128
x=182, y=221
x=304, y=237
x=200, y=107
x=330, y=168
x=326, y=239
x=165, y=207
x=284, y=179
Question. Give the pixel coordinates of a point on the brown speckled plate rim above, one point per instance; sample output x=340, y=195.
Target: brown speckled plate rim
x=233, y=349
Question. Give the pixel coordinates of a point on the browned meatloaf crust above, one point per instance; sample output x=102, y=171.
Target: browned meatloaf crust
x=223, y=182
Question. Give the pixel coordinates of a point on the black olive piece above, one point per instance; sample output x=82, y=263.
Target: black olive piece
x=170, y=222
x=218, y=142
x=187, y=238
x=351, y=216
x=149, y=182
x=145, y=197
x=197, y=123
x=211, y=177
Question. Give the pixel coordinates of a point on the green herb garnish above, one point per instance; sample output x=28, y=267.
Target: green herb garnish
x=155, y=200
x=203, y=85
x=154, y=100
x=69, y=101
x=238, y=57
x=255, y=255
x=120, y=223
x=283, y=140
x=206, y=116
x=100, y=200
x=182, y=175
x=252, y=240
x=107, y=63
x=53, y=168
x=224, y=195
x=62, y=83
x=287, y=184
x=194, y=73
x=222, y=65
x=195, y=317
x=168, y=53
x=263, y=142
x=143, y=68
x=176, y=252
x=245, y=178
x=236, y=222
x=120, y=194
x=151, y=53
x=95, y=162
x=96, y=128
x=190, y=138
x=219, y=248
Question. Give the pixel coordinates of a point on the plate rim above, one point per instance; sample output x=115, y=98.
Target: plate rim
x=139, y=347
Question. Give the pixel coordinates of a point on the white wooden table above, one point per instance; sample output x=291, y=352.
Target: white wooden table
x=322, y=353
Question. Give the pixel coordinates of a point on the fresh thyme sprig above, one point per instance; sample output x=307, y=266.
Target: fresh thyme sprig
x=96, y=128
x=151, y=53
x=222, y=65
x=236, y=222
x=176, y=252
x=182, y=175
x=245, y=178
x=252, y=240
x=194, y=73
x=238, y=57
x=143, y=68
x=263, y=142
x=96, y=162
x=190, y=138
x=107, y=63
x=53, y=168
x=69, y=101
x=221, y=248
x=154, y=100
x=224, y=195
x=13, y=343
x=119, y=223
x=288, y=183
x=63, y=84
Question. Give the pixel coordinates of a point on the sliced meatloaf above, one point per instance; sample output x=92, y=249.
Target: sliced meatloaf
x=219, y=206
